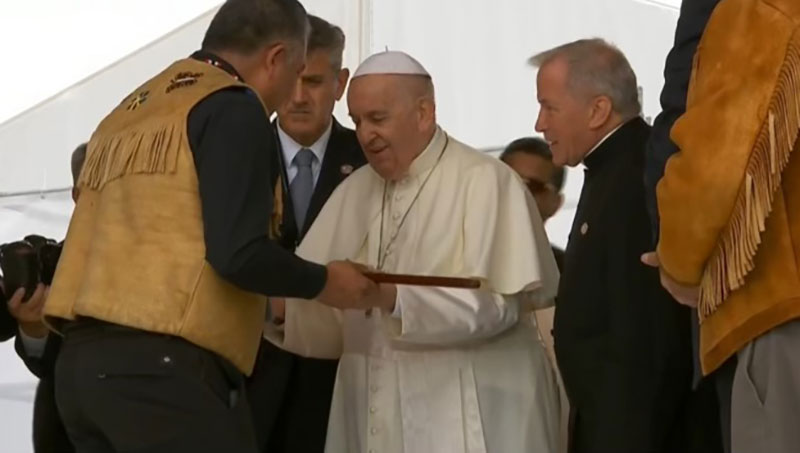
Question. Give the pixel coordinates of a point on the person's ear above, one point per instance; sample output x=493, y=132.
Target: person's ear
x=341, y=82
x=426, y=111
x=274, y=56
x=600, y=111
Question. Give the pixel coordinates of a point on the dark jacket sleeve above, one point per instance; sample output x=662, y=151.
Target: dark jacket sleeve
x=648, y=361
x=677, y=72
x=233, y=146
x=40, y=366
x=8, y=325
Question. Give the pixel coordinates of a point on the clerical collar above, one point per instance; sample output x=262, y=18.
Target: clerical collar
x=595, y=156
x=594, y=148
x=290, y=147
x=430, y=155
x=217, y=62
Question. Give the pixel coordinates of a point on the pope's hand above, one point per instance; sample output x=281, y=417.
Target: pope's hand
x=686, y=295
x=29, y=314
x=347, y=287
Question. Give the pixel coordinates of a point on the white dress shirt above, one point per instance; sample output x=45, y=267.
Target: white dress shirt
x=290, y=149
x=34, y=347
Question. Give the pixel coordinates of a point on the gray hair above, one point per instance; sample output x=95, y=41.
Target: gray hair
x=76, y=162
x=244, y=26
x=327, y=37
x=597, y=68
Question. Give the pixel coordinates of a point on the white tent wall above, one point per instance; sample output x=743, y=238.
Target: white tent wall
x=53, y=44
x=37, y=143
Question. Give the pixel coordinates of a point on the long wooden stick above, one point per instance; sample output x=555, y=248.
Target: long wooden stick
x=421, y=280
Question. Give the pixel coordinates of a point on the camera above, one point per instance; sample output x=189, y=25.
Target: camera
x=28, y=262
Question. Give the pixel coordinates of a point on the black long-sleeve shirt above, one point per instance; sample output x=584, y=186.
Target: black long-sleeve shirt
x=677, y=72
x=8, y=325
x=235, y=152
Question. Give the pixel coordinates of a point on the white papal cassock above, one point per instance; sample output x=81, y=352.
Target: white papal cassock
x=452, y=370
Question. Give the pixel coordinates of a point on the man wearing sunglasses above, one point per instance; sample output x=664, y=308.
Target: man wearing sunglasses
x=532, y=159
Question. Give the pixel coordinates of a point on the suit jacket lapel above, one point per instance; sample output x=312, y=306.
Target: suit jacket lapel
x=288, y=224
x=329, y=177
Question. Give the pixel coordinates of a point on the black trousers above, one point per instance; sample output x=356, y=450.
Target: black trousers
x=290, y=397
x=702, y=420
x=127, y=391
x=723, y=378
x=49, y=434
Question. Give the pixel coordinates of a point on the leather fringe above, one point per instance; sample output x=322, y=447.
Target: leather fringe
x=152, y=151
x=277, y=210
x=735, y=252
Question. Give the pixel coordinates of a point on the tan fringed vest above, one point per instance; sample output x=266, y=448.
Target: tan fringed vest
x=134, y=253
x=730, y=200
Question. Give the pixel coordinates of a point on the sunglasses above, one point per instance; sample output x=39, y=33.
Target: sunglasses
x=537, y=187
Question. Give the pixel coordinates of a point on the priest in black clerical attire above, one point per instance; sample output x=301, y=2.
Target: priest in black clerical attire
x=174, y=244
x=622, y=343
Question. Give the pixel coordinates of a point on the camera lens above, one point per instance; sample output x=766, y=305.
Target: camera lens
x=48, y=259
x=20, y=265
x=37, y=241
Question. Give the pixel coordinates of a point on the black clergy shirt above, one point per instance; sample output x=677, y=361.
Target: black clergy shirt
x=621, y=342
x=234, y=151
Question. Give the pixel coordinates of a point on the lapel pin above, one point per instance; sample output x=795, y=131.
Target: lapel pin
x=584, y=228
x=346, y=169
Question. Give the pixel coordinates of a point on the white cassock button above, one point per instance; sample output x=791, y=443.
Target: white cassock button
x=396, y=216
x=374, y=389
x=398, y=197
x=373, y=409
x=373, y=431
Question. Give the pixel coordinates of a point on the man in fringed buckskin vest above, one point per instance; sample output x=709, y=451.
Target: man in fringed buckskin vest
x=160, y=291
x=729, y=204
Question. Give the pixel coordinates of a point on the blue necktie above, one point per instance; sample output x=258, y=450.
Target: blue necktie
x=302, y=185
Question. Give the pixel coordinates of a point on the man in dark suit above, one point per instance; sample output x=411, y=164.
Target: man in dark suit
x=38, y=350
x=291, y=395
x=621, y=342
x=8, y=326
x=532, y=159
x=711, y=399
